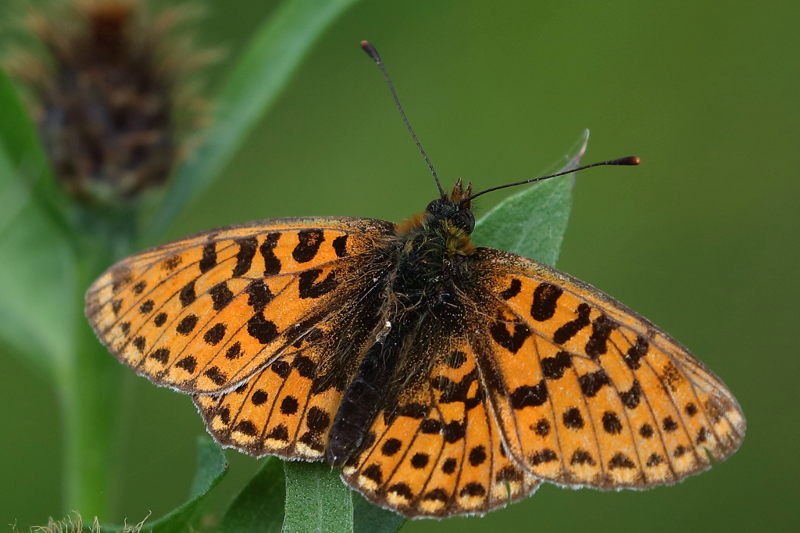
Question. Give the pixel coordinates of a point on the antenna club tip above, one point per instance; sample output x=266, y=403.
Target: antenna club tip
x=370, y=50
x=631, y=160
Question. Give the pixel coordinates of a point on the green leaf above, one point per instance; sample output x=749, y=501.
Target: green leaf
x=316, y=499
x=211, y=467
x=533, y=221
x=254, y=84
x=369, y=518
x=20, y=141
x=38, y=287
x=259, y=506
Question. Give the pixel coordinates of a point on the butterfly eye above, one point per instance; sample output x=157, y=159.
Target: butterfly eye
x=464, y=219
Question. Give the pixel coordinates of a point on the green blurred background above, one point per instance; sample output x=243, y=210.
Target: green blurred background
x=702, y=238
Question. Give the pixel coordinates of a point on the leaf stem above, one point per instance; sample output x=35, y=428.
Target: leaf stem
x=90, y=382
x=89, y=399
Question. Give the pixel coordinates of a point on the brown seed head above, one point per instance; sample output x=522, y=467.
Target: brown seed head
x=108, y=88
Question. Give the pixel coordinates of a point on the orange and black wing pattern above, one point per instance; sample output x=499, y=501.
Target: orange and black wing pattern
x=287, y=407
x=438, y=451
x=205, y=314
x=587, y=393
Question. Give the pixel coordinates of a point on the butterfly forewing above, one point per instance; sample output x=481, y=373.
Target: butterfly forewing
x=206, y=313
x=588, y=393
x=438, y=451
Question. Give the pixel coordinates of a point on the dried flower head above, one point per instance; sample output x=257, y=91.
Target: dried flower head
x=110, y=86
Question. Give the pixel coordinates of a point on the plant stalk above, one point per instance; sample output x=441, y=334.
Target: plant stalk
x=91, y=380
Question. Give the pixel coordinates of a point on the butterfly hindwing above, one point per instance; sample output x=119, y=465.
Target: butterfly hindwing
x=438, y=451
x=276, y=412
x=206, y=313
x=586, y=392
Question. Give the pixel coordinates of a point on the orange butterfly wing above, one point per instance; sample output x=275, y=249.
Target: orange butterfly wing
x=586, y=392
x=206, y=313
x=276, y=412
x=439, y=452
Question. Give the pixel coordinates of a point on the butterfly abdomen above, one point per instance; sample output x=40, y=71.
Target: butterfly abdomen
x=364, y=397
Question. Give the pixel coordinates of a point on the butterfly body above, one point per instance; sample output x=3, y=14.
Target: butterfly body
x=424, y=265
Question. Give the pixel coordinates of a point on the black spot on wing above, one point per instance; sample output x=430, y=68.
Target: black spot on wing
x=572, y=418
x=279, y=432
x=261, y=329
x=545, y=455
x=620, y=460
x=216, y=375
x=512, y=290
x=545, y=300
x=592, y=382
x=308, y=245
x=473, y=489
x=259, y=397
x=511, y=342
x=611, y=423
x=309, y=287
x=391, y=447
x=632, y=396
x=582, y=457
x=553, y=367
x=258, y=295
x=221, y=296
x=281, y=368
x=188, y=363
x=161, y=355
x=601, y=329
x=454, y=431
x=571, y=328
x=187, y=324
x=215, y=334
x=146, y=307
x=340, y=245
x=317, y=420
x=244, y=257
x=209, y=259
x=187, y=294
x=420, y=460
x=636, y=352
x=234, y=351
x=529, y=395
x=272, y=265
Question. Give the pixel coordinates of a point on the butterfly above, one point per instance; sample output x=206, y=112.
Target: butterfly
x=442, y=378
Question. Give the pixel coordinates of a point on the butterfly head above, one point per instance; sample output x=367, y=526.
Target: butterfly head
x=454, y=210
x=452, y=217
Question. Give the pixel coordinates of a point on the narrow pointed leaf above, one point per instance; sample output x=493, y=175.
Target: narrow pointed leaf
x=259, y=506
x=316, y=499
x=533, y=221
x=37, y=282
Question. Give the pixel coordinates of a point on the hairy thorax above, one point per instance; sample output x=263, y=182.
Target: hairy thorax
x=431, y=258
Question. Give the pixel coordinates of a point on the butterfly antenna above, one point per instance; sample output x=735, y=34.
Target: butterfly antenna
x=631, y=160
x=373, y=53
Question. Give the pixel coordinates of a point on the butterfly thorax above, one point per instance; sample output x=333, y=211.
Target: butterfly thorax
x=432, y=247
